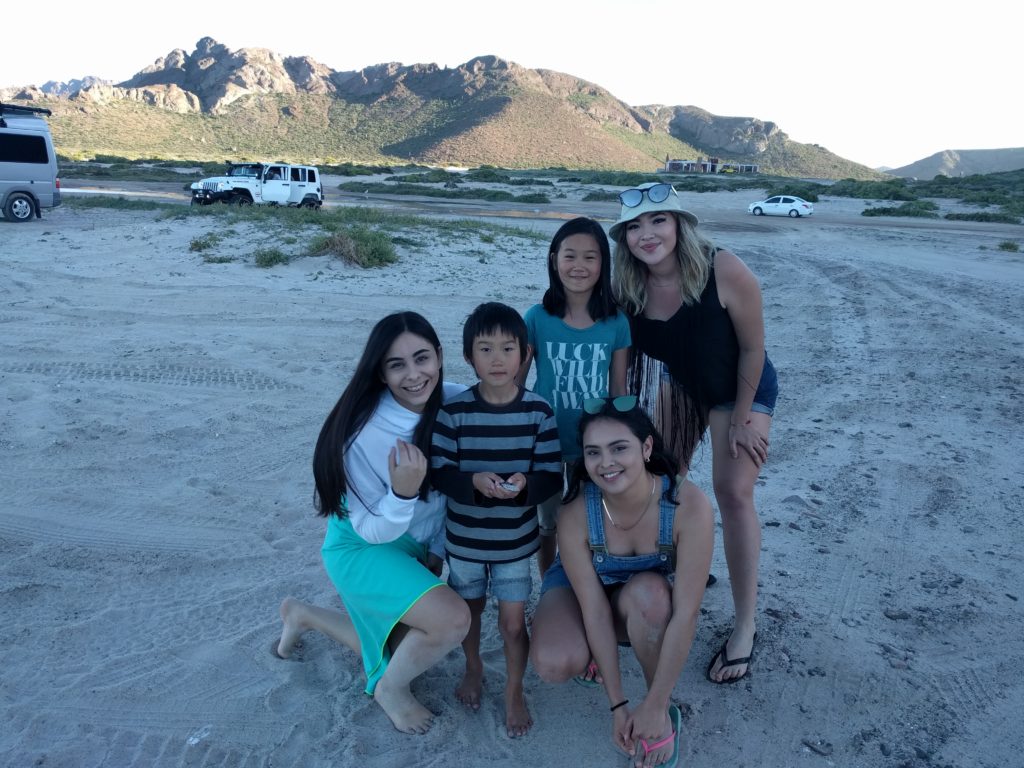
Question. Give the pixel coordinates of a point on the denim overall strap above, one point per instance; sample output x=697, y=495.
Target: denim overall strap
x=595, y=525
x=667, y=518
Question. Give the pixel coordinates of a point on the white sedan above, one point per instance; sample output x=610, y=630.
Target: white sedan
x=782, y=205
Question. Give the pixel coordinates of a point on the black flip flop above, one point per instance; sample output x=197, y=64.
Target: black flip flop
x=727, y=662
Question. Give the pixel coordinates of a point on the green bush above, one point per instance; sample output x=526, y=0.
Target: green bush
x=892, y=189
x=270, y=257
x=488, y=174
x=120, y=203
x=357, y=245
x=355, y=169
x=435, y=176
x=1009, y=245
x=496, y=195
x=921, y=209
x=998, y=218
x=204, y=242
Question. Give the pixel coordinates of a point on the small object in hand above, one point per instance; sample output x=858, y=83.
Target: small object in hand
x=508, y=486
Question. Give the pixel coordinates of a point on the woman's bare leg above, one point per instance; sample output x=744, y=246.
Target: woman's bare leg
x=297, y=617
x=558, y=647
x=644, y=607
x=734, y=481
x=437, y=623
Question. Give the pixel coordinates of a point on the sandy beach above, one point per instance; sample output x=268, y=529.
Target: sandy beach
x=157, y=422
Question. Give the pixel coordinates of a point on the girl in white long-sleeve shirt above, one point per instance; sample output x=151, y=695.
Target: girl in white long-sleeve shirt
x=384, y=544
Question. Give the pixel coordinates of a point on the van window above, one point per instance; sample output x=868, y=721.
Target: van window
x=298, y=174
x=15, y=148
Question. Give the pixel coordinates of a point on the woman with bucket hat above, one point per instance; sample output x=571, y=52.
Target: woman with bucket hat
x=698, y=363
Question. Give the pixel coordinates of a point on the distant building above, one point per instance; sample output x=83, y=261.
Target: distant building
x=708, y=165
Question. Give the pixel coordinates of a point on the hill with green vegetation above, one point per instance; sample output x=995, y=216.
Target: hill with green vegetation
x=253, y=104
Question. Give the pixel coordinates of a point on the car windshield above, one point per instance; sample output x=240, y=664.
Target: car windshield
x=244, y=170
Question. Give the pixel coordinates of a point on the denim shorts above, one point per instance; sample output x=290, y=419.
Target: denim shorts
x=556, y=577
x=764, y=398
x=509, y=582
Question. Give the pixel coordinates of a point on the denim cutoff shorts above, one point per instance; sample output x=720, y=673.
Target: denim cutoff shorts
x=509, y=582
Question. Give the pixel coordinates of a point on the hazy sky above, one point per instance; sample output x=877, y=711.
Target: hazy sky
x=880, y=83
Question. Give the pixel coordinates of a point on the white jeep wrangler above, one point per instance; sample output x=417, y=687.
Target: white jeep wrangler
x=263, y=184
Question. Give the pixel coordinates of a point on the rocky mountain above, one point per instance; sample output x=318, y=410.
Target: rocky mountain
x=217, y=103
x=963, y=162
x=61, y=88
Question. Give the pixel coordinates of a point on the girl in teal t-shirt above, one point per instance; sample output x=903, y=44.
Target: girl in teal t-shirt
x=579, y=341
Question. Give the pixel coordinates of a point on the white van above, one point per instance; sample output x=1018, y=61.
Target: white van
x=28, y=164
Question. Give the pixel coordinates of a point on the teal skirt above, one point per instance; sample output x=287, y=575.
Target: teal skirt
x=378, y=583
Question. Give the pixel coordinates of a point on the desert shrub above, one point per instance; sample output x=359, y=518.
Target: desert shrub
x=922, y=209
x=120, y=203
x=997, y=218
x=1009, y=245
x=435, y=176
x=208, y=259
x=497, y=195
x=600, y=196
x=531, y=182
x=204, y=242
x=891, y=189
x=357, y=245
x=355, y=169
x=487, y=173
x=270, y=257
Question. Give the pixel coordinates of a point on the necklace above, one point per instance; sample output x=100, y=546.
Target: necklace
x=654, y=486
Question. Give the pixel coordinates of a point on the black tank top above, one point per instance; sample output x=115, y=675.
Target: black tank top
x=698, y=344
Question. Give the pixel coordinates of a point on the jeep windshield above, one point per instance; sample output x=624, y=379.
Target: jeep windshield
x=244, y=170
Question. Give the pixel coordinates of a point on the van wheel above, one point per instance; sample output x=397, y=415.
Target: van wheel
x=19, y=207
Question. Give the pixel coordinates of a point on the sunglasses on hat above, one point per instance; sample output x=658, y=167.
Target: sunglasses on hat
x=658, y=193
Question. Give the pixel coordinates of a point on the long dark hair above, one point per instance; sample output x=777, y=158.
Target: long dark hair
x=639, y=423
x=601, y=303
x=358, y=402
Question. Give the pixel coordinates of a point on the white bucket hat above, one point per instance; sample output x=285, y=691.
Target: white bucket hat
x=638, y=201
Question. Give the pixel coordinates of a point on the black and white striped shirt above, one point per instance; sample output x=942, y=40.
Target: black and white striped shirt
x=472, y=435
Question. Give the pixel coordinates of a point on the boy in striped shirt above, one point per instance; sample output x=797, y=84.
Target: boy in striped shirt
x=495, y=454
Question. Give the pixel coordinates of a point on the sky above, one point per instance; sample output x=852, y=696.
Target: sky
x=882, y=83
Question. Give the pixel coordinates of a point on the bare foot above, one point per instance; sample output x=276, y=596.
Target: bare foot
x=470, y=690
x=517, y=715
x=405, y=713
x=293, y=626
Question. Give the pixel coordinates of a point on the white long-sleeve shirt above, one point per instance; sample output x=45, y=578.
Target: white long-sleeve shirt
x=376, y=513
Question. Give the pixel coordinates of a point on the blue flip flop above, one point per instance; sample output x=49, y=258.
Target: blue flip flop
x=589, y=678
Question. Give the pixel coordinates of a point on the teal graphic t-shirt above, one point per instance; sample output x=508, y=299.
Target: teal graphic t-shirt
x=573, y=365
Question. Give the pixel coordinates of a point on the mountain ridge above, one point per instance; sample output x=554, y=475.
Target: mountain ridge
x=254, y=102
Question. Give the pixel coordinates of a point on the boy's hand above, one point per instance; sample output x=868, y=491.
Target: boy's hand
x=486, y=484
x=407, y=466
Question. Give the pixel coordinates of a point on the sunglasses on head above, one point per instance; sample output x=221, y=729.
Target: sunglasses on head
x=622, y=404
x=659, y=193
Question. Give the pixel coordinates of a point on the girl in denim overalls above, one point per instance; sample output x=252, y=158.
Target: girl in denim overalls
x=634, y=552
